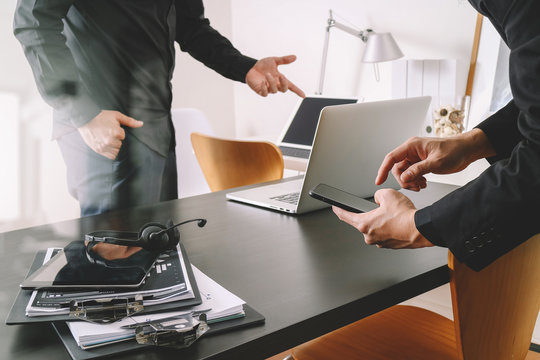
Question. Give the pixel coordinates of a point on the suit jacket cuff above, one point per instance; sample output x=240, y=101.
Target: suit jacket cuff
x=424, y=224
x=502, y=131
x=242, y=66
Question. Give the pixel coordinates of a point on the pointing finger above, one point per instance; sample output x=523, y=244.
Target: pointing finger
x=295, y=89
x=393, y=157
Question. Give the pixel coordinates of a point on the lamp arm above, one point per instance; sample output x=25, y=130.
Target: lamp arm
x=323, y=60
x=363, y=35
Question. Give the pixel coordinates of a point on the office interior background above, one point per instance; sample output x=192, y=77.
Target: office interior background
x=33, y=187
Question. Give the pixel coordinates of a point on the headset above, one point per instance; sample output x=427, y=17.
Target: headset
x=153, y=237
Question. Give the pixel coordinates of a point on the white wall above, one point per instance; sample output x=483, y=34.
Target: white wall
x=434, y=29
x=9, y=140
x=41, y=191
x=197, y=86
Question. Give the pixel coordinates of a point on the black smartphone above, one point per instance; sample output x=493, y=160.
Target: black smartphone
x=341, y=199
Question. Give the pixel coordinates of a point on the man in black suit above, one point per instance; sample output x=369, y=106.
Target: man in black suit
x=105, y=66
x=501, y=208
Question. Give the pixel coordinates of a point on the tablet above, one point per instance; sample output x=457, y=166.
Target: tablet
x=75, y=267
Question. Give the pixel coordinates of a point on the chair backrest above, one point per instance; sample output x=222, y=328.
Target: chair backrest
x=231, y=163
x=495, y=309
x=190, y=177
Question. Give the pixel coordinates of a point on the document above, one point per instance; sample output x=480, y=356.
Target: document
x=218, y=303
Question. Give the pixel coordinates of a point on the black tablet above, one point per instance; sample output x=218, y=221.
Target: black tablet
x=76, y=267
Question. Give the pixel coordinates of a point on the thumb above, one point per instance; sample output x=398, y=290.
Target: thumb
x=283, y=60
x=415, y=171
x=379, y=196
x=129, y=122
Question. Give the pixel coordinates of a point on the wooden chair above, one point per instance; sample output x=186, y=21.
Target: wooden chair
x=231, y=163
x=494, y=316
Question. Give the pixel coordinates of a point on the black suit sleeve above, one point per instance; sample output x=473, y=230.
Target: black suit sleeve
x=38, y=25
x=502, y=131
x=204, y=43
x=500, y=209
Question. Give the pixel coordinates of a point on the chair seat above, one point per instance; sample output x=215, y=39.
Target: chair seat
x=400, y=332
x=228, y=163
x=495, y=310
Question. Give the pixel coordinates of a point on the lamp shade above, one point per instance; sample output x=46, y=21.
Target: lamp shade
x=381, y=47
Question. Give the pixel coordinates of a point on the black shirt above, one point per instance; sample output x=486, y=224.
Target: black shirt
x=500, y=209
x=93, y=55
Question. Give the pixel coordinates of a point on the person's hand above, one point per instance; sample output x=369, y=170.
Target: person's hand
x=104, y=133
x=391, y=225
x=416, y=157
x=113, y=251
x=264, y=77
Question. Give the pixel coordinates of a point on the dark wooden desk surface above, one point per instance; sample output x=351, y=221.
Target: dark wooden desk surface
x=306, y=274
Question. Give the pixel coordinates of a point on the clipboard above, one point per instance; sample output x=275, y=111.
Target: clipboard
x=252, y=318
x=17, y=315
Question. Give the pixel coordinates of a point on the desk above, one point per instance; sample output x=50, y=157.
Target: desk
x=306, y=274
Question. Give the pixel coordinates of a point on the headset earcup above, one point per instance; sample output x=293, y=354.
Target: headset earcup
x=174, y=239
x=174, y=235
x=157, y=243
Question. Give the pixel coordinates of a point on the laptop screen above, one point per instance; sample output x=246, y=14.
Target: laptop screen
x=304, y=123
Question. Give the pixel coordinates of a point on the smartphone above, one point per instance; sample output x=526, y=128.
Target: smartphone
x=341, y=199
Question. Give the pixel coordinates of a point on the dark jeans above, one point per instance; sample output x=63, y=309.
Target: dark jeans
x=138, y=176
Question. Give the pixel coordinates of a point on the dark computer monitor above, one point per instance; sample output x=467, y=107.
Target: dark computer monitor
x=298, y=134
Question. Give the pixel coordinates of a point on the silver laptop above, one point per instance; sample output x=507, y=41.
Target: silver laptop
x=349, y=146
x=297, y=135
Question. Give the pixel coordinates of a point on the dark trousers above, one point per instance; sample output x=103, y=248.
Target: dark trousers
x=138, y=176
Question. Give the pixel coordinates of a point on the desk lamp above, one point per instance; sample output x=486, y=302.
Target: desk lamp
x=379, y=47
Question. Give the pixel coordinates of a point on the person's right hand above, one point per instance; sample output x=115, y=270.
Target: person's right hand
x=104, y=133
x=264, y=77
x=416, y=157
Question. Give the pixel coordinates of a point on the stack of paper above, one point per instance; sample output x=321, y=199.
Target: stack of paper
x=166, y=282
x=218, y=304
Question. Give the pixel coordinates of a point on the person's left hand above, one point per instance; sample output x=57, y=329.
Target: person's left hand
x=391, y=225
x=264, y=77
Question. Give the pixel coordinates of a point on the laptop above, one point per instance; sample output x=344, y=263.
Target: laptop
x=297, y=136
x=350, y=144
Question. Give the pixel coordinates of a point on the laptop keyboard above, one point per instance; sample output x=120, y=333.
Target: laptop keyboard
x=294, y=152
x=291, y=198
